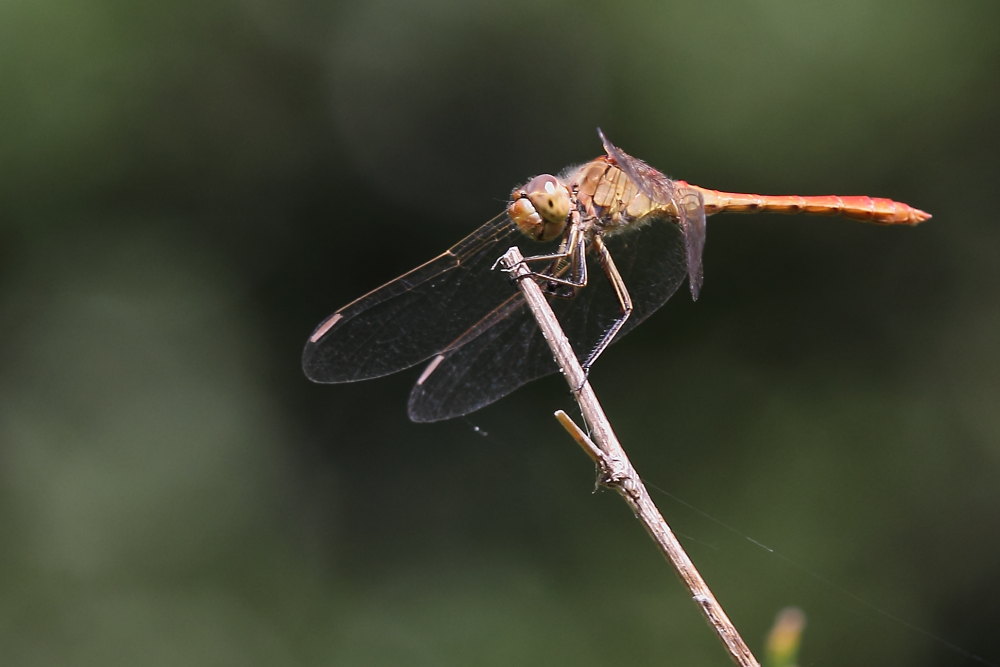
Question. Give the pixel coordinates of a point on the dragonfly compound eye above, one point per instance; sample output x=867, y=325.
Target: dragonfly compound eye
x=541, y=207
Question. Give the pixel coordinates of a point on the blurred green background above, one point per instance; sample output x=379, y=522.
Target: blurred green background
x=189, y=187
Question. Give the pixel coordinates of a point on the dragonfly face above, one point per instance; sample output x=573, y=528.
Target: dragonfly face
x=541, y=208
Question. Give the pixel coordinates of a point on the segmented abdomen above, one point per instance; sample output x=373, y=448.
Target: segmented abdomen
x=868, y=209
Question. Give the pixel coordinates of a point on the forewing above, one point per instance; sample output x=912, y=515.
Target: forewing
x=416, y=315
x=687, y=201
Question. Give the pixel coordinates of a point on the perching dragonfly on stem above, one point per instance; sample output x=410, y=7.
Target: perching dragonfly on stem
x=645, y=231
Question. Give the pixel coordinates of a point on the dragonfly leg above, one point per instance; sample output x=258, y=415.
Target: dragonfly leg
x=567, y=267
x=624, y=301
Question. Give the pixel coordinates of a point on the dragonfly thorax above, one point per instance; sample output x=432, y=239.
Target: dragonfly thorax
x=540, y=208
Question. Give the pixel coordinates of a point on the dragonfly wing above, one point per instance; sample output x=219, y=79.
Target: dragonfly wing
x=414, y=316
x=692, y=211
x=687, y=201
x=495, y=358
x=506, y=349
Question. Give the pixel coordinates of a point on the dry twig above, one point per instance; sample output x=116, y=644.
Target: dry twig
x=616, y=471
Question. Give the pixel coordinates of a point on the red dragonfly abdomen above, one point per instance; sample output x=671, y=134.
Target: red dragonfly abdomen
x=868, y=209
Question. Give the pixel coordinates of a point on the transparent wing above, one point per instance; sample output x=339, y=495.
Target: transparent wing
x=505, y=350
x=416, y=315
x=688, y=202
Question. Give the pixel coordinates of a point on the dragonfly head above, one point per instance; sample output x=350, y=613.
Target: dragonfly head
x=540, y=208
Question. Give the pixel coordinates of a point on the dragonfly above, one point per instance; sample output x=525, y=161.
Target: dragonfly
x=615, y=215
